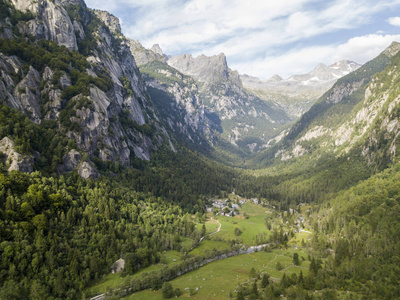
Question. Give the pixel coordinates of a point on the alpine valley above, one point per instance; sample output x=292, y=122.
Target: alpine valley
x=127, y=173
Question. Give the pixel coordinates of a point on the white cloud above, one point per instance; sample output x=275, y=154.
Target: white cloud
x=219, y=26
x=359, y=49
x=258, y=37
x=395, y=21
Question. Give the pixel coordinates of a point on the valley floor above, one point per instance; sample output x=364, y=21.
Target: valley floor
x=223, y=275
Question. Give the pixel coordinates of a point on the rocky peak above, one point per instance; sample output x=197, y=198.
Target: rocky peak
x=345, y=65
x=392, y=50
x=276, y=78
x=157, y=49
x=110, y=20
x=325, y=75
x=142, y=55
x=206, y=69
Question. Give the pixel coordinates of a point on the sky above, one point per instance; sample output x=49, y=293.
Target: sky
x=262, y=37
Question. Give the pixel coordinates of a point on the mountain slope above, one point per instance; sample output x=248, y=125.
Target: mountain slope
x=347, y=113
x=296, y=94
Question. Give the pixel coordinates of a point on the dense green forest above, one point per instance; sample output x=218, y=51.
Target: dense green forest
x=59, y=233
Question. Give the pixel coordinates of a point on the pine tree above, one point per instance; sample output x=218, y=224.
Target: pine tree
x=265, y=281
x=167, y=290
x=296, y=260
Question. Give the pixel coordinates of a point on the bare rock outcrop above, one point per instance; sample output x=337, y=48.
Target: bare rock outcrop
x=118, y=266
x=15, y=161
x=51, y=22
x=143, y=55
x=87, y=170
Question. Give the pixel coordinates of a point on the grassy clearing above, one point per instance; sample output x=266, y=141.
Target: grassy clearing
x=211, y=226
x=208, y=246
x=186, y=243
x=250, y=227
x=299, y=237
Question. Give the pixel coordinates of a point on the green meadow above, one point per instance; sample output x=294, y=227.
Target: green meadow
x=215, y=280
x=251, y=222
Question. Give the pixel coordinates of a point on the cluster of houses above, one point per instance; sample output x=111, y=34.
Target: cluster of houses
x=229, y=209
x=225, y=207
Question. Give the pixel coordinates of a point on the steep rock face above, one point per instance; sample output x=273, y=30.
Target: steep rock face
x=51, y=21
x=110, y=116
x=71, y=161
x=244, y=119
x=111, y=21
x=86, y=170
x=15, y=161
x=24, y=95
x=129, y=95
x=175, y=95
x=189, y=118
x=296, y=94
x=209, y=70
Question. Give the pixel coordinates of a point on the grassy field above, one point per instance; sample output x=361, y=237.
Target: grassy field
x=215, y=280
x=250, y=227
x=211, y=226
x=207, y=246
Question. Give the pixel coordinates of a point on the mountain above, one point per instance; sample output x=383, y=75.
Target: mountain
x=245, y=120
x=356, y=117
x=175, y=95
x=296, y=94
x=143, y=55
x=77, y=72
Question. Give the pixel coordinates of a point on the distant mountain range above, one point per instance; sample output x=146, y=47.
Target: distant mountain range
x=297, y=93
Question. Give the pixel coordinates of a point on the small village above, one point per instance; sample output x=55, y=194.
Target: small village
x=229, y=207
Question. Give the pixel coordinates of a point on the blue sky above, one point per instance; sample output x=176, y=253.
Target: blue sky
x=262, y=37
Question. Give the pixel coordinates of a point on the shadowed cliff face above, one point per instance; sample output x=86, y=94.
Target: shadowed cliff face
x=176, y=96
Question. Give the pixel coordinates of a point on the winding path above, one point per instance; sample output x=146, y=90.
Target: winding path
x=219, y=228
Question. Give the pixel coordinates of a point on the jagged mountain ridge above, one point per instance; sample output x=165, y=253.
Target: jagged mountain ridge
x=246, y=120
x=297, y=93
x=176, y=95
